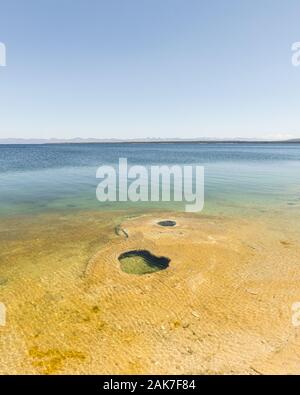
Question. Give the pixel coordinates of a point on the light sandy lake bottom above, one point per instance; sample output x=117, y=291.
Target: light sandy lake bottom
x=223, y=305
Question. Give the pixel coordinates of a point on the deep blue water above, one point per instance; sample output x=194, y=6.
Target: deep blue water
x=35, y=178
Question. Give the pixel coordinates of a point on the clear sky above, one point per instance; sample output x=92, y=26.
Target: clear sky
x=149, y=68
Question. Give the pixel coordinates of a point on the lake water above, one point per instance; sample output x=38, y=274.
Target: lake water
x=240, y=177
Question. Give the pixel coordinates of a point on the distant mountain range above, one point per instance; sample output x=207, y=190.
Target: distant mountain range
x=145, y=140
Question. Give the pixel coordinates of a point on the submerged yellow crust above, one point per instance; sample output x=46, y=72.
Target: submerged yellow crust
x=223, y=305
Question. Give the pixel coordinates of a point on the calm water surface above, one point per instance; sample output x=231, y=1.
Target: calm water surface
x=238, y=177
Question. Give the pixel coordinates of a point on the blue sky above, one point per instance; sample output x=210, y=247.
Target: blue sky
x=149, y=68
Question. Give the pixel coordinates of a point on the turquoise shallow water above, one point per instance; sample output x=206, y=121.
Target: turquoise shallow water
x=238, y=177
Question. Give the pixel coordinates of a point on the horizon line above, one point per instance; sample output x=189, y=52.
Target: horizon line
x=79, y=140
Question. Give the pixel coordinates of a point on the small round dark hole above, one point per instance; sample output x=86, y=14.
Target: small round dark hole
x=167, y=223
x=142, y=262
